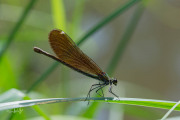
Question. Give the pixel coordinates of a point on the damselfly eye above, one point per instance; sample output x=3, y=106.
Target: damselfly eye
x=114, y=81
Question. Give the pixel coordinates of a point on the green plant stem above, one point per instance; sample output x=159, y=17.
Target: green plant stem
x=14, y=31
x=125, y=40
x=93, y=30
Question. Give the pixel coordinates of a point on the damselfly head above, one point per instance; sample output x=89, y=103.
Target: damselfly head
x=114, y=81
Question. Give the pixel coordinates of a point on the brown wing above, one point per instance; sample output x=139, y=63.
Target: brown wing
x=68, y=52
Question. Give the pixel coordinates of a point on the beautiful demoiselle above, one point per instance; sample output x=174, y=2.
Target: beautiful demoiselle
x=70, y=55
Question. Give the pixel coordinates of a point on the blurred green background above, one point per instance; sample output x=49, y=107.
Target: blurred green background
x=148, y=67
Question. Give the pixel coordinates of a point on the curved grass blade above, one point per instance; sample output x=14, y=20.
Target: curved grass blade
x=109, y=18
x=119, y=51
x=169, y=112
x=128, y=101
x=16, y=95
x=125, y=39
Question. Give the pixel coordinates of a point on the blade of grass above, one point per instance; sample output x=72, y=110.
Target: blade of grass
x=77, y=16
x=93, y=30
x=169, y=112
x=119, y=51
x=35, y=107
x=109, y=18
x=58, y=12
x=38, y=109
x=128, y=101
x=125, y=40
x=14, y=95
x=14, y=31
